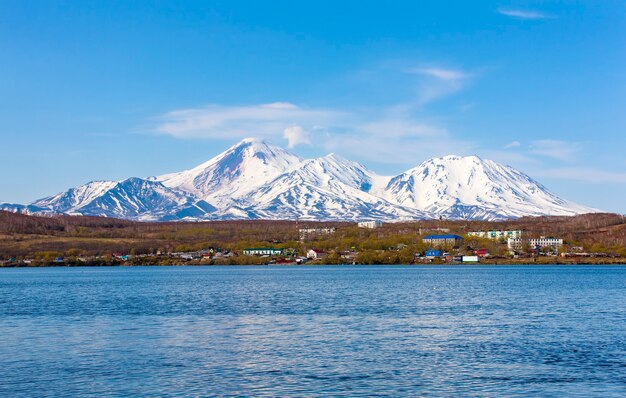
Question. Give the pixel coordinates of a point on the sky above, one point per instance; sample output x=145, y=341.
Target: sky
x=113, y=89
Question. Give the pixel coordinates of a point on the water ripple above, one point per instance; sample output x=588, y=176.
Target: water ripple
x=313, y=331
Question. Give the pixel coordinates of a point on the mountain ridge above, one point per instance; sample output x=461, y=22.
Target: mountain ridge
x=256, y=180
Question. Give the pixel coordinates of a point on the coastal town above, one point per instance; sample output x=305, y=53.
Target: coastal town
x=297, y=243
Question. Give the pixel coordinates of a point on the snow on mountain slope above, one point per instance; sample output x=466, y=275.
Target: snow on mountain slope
x=332, y=169
x=328, y=188
x=239, y=170
x=473, y=188
x=133, y=198
x=24, y=209
x=253, y=179
x=12, y=207
x=75, y=198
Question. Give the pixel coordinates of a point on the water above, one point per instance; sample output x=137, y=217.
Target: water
x=313, y=331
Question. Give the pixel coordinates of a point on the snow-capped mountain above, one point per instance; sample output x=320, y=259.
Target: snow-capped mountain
x=472, y=188
x=239, y=170
x=253, y=179
x=133, y=198
x=326, y=188
x=75, y=198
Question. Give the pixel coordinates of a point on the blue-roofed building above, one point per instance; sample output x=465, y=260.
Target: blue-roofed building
x=433, y=253
x=448, y=240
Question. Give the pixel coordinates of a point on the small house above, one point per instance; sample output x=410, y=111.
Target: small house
x=315, y=254
x=481, y=252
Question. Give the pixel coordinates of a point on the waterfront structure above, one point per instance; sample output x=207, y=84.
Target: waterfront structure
x=370, y=224
x=262, y=251
x=443, y=240
x=497, y=234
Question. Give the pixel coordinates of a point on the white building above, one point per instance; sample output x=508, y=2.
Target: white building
x=545, y=242
x=314, y=254
x=370, y=224
x=262, y=251
x=497, y=235
x=517, y=244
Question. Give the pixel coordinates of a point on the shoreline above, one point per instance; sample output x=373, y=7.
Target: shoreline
x=622, y=262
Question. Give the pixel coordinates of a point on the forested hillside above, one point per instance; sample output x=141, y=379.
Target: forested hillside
x=31, y=236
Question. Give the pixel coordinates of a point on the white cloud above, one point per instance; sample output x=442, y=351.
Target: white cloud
x=560, y=150
x=236, y=122
x=388, y=135
x=395, y=137
x=296, y=135
x=512, y=144
x=441, y=73
x=438, y=82
x=522, y=14
x=405, y=152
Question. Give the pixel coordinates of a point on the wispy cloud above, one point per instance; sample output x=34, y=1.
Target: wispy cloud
x=556, y=149
x=394, y=136
x=512, y=144
x=585, y=174
x=406, y=151
x=235, y=122
x=387, y=135
x=438, y=82
x=522, y=14
x=395, y=133
x=449, y=75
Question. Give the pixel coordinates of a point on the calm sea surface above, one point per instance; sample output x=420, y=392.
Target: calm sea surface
x=313, y=331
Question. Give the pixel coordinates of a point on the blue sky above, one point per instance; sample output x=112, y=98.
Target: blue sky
x=108, y=90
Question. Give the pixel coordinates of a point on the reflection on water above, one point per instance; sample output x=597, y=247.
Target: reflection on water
x=313, y=331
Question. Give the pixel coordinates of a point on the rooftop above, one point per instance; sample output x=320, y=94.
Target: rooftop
x=448, y=236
